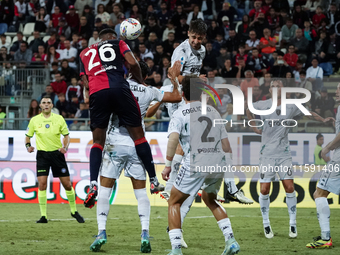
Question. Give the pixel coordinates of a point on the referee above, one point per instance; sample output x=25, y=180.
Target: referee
x=48, y=126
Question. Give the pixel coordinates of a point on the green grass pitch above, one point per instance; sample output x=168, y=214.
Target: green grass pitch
x=19, y=234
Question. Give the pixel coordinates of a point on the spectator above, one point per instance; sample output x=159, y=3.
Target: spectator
x=52, y=41
x=6, y=11
x=152, y=70
x=63, y=28
x=226, y=27
x=61, y=44
x=168, y=44
x=89, y=16
x=99, y=25
x=36, y=42
x=257, y=63
x=144, y=52
x=102, y=14
x=73, y=106
x=334, y=51
x=59, y=86
x=233, y=42
x=315, y=75
x=3, y=55
x=267, y=43
x=248, y=82
x=222, y=58
x=333, y=15
x=23, y=54
x=257, y=94
x=209, y=62
x=280, y=68
x=121, y=18
x=213, y=80
x=157, y=80
x=259, y=24
x=69, y=54
x=228, y=71
x=265, y=86
x=308, y=32
x=253, y=42
x=62, y=105
x=318, y=160
x=66, y=72
x=54, y=71
x=273, y=19
x=254, y=13
x=42, y=20
x=300, y=16
x=114, y=16
x=163, y=69
x=51, y=56
x=306, y=84
x=16, y=45
x=33, y=109
x=170, y=29
x=178, y=15
x=280, y=5
x=152, y=27
x=72, y=18
x=19, y=12
x=318, y=16
x=241, y=53
x=324, y=105
x=2, y=117
x=225, y=99
x=311, y=5
x=73, y=90
x=4, y=43
x=84, y=29
x=82, y=113
x=163, y=15
x=159, y=54
x=75, y=43
x=213, y=30
x=241, y=68
x=95, y=38
x=52, y=3
x=195, y=14
x=291, y=57
x=288, y=32
x=301, y=44
x=55, y=17
x=49, y=92
x=298, y=68
x=219, y=42
x=79, y=5
x=244, y=28
x=152, y=42
x=100, y=2
x=227, y=10
x=181, y=31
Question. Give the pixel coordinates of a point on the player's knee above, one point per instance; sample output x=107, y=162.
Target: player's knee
x=265, y=190
x=319, y=193
x=42, y=185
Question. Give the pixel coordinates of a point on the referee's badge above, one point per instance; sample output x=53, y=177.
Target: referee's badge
x=63, y=170
x=47, y=125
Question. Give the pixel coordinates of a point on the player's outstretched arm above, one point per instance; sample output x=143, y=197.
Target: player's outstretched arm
x=170, y=153
x=317, y=117
x=226, y=145
x=134, y=67
x=334, y=144
x=251, y=116
x=152, y=110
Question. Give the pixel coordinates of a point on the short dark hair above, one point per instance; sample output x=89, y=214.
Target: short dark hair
x=107, y=31
x=198, y=26
x=46, y=96
x=303, y=72
x=192, y=95
x=144, y=68
x=319, y=136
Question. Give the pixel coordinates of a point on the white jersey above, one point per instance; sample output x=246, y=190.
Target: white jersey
x=204, y=141
x=275, y=143
x=192, y=61
x=336, y=154
x=119, y=135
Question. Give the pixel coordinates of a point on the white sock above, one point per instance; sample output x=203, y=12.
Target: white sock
x=143, y=208
x=324, y=214
x=291, y=204
x=264, y=205
x=175, y=236
x=103, y=207
x=226, y=229
x=176, y=162
x=230, y=182
x=185, y=207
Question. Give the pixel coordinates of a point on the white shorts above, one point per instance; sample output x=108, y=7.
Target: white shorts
x=119, y=157
x=330, y=179
x=191, y=185
x=271, y=167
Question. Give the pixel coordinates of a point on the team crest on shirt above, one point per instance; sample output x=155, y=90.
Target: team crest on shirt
x=278, y=112
x=47, y=125
x=63, y=170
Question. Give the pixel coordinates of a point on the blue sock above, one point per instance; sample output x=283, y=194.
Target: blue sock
x=95, y=161
x=144, y=153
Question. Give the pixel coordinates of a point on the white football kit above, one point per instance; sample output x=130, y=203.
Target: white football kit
x=119, y=152
x=330, y=179
x=275, y=155
x=201, y=147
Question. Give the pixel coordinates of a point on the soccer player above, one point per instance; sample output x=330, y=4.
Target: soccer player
x=275, y=153
x=48, y=126
x=188, y=182
x=110, y=93
x=120, y=153
x=329, y=182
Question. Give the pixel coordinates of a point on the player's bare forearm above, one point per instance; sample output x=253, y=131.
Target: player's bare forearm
x=152, y=110
x=66, y=141
x=27, y=140
x=226, y=145
x=251, y=116
x=180, y=78
x=172, y=146
x=134, y=67
x=335, y=143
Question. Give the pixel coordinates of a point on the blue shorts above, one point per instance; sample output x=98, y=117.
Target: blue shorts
x=119, y=101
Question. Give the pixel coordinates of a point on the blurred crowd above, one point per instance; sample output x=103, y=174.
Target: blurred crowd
x=250, y=41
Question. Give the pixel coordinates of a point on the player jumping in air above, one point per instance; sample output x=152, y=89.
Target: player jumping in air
x=275, y=152
x=120, y=153
x=188, y=182
x=110, y=93
x=329, y=182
